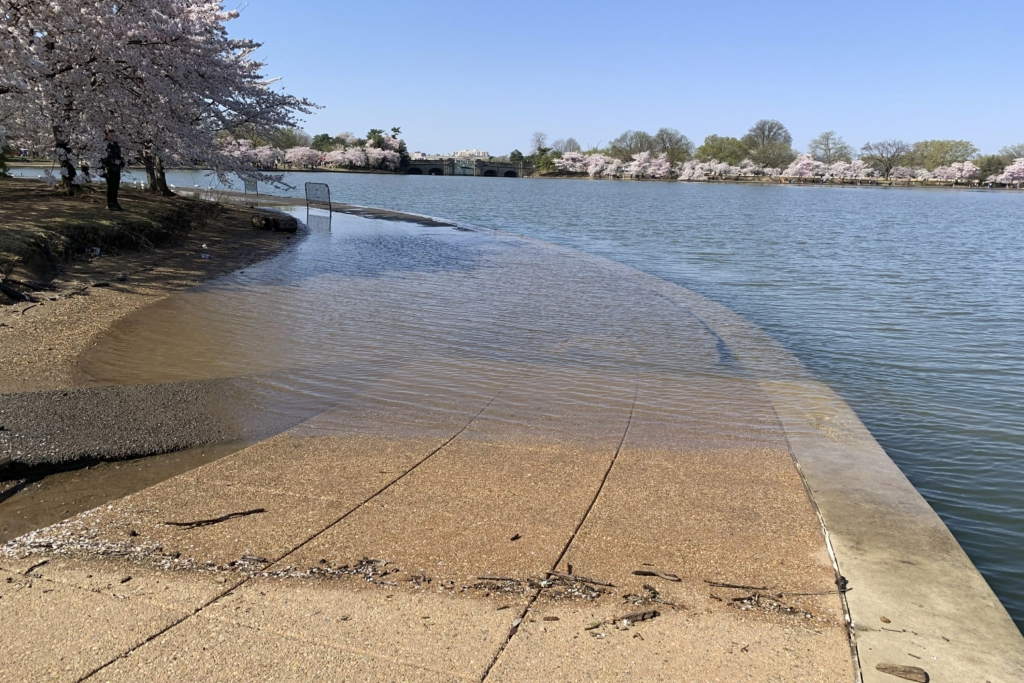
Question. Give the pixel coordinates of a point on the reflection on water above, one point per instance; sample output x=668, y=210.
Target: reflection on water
x=318, y=221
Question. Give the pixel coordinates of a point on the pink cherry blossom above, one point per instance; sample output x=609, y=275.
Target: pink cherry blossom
x=660, y=167
x=164, y=73
x=268, y=156
x=383, y=158
x=1012, y=174
x=302, y=156
x=573, y=162
x=640, y=166
x=804, y=166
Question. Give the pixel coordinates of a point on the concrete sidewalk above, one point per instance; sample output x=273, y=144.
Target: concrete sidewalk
x=411, y=539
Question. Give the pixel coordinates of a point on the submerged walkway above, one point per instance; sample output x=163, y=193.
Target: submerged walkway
x=559, y=473
x=379, y=528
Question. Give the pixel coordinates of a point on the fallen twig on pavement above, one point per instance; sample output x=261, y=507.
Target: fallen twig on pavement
x=660, y=575
x=718, y=584
x=581, y=579
x=215, y=520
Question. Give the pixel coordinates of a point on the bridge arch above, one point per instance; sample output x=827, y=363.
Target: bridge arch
x=414, y=171
x=491, y=173
x=511, y=174
x=435, y=171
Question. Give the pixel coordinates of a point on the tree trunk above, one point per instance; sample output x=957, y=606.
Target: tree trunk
x=156, y=181
x=150, y=165
x=63, y=150
x=161, y=179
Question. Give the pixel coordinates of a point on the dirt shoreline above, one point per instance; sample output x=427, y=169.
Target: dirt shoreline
x=49, y=417
x=42, y=338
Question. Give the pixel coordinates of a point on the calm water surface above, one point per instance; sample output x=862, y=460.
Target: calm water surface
x=907, y=302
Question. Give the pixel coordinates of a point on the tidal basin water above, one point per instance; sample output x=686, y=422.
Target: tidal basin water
x=908, y=302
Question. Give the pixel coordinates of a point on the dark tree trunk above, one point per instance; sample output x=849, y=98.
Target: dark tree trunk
x=150, y=165
x=156, y=181
x=64, y=156
x=161, y=179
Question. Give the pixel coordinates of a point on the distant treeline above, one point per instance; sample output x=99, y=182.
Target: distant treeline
x=768, y=144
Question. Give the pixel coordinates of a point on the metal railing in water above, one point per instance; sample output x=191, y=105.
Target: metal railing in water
x=318, y=196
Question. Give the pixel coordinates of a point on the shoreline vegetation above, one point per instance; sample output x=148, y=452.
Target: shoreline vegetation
x=725, y=178
x=764, y=154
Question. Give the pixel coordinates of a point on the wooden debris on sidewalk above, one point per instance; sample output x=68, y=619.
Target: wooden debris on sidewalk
x=909, y=673
x=215, y=520
x=626, y=619
x=581, y=579
x=660, y=575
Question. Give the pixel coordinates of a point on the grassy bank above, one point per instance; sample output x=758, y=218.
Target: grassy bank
x=43, y=231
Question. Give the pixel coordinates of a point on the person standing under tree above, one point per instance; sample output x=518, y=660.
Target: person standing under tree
x=112, y=162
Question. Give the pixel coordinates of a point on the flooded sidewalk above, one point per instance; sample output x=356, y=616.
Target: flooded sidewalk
x=509, y=463
x=518, y=522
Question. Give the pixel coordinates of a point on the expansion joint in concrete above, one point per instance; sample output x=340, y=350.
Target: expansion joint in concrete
x=565, y=549
x=289, y=552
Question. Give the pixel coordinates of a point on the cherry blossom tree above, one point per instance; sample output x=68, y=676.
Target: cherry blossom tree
x=599, y=165
x=704, y=170
x=640, y=165
x=574, y=162
x=660, y=166
x=164, y=73
x=804, y=166
x=908, y=173
x=955, y=172
x=1013, y=174
x=268, y=156
x=964, y=169
x=750, y=167
x=382, y=158
x=302, y=156
x=852, y=170
x=354, y=157
x=243, y=148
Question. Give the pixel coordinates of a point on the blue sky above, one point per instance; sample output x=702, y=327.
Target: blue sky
x=486, y=75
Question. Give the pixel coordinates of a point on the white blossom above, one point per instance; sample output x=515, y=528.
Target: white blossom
x=164, y=73
x=804, y=166
x=302, y=156
x=383, y=158
x=1013, y=174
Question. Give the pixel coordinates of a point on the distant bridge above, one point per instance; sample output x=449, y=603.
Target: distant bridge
x=474, y=167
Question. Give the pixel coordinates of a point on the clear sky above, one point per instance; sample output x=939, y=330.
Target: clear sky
x=458, y=74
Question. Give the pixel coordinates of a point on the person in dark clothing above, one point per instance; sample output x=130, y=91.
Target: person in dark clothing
x=112, y=162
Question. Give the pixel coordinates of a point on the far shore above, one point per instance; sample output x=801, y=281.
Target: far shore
x=737, y=180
